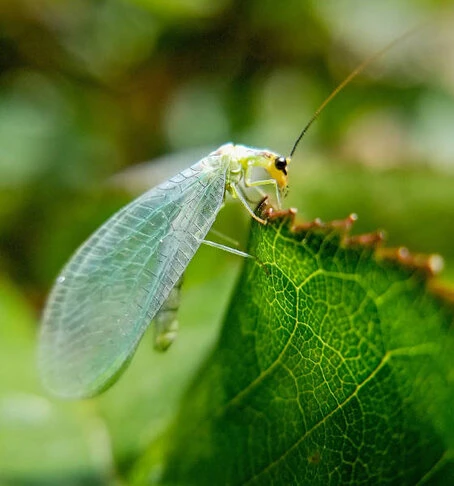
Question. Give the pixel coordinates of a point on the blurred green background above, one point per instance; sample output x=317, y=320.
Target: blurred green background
x=90, y=88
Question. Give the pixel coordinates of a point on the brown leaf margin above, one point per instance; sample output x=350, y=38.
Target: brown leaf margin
x=429, y=265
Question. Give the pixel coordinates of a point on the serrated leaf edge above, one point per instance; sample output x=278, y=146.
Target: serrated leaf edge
x=429, y=265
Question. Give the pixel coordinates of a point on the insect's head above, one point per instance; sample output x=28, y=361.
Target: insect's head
x=277, y=169
x=248, y=158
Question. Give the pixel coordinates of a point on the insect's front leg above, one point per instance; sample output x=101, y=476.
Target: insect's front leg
x=235, y=191
x=248, y=182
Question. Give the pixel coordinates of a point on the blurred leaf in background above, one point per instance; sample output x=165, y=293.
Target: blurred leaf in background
x=88, y=88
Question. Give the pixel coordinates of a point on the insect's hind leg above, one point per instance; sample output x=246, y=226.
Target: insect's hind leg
x=234, y=251
x=225, y=237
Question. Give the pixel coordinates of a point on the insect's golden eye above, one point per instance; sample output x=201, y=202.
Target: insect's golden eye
x=281, y=164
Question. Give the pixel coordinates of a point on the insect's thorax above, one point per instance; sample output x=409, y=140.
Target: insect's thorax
x=242, y=159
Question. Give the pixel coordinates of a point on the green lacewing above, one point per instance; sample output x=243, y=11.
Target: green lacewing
x=118, y=280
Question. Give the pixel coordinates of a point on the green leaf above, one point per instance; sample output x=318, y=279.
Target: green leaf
x=334, y=366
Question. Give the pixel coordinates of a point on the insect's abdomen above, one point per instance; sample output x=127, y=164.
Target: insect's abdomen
x=165, y=324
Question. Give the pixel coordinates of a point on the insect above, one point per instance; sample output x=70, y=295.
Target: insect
x=117, y=281
x=127, y=273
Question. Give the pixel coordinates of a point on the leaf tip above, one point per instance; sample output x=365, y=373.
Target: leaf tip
x=272, y=213
x=344, y=225
x=430, y=264
x=371, y=240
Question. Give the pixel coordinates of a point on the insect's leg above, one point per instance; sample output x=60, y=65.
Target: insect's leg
x=265, y=182
x=236, y=192
x=234, y=251
x=224, y=237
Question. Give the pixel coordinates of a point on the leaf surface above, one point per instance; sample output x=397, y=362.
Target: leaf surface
x=334, y=366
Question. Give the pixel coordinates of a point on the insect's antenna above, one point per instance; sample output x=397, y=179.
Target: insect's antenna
x=351, y=76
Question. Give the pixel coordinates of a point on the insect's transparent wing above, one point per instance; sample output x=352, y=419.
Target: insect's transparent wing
x=113, y=286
